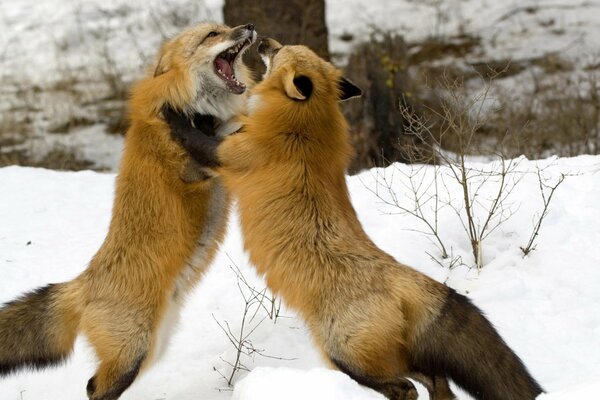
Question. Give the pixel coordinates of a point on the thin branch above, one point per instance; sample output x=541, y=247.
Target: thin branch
x=546, y=204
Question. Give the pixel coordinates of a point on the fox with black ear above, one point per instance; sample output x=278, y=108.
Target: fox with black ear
x=379, y=321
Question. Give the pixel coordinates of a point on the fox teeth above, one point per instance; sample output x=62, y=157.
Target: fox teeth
x=237, y=48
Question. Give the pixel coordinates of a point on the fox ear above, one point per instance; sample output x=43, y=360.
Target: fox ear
x=163, y=64
x=297, y=87
x=348, y=89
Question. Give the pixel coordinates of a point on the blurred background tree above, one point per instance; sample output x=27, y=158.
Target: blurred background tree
x=290, y=22
x=377, y=67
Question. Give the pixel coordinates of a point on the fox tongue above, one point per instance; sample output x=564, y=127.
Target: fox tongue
x=224, y=67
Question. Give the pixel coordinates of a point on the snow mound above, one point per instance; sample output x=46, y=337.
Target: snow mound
x=294, y=384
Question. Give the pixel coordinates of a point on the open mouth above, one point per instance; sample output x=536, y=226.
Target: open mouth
x=224, y=65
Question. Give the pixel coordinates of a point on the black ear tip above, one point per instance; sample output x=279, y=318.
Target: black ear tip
x=349, y=89
x=304, y=85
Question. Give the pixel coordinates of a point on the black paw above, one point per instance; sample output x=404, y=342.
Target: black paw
x=182, y=127
x=403, y=389
x=200, y=141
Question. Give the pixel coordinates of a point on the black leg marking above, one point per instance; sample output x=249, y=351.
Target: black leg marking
x=200, y=142
x=120, y=385
x=399, y=389
x=362, y=379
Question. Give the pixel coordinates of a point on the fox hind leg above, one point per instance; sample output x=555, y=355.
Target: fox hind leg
x=113, y=378
x=122, y=340
x=118, y=367
x=397, y=388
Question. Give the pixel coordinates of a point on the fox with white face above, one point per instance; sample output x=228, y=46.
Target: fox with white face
x=167, y=223
x=209, y=59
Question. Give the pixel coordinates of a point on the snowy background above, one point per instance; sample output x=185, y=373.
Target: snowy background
x=66, y=65
x=65, y=60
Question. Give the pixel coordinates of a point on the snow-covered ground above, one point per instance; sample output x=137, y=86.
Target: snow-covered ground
x=545, y=305
x=513, y=29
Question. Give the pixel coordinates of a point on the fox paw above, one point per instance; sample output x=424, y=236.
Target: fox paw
x=403, y=389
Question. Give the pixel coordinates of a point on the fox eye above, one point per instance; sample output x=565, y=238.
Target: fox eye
x=210, y=34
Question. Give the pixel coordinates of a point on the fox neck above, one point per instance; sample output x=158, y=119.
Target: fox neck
x=315, y=135
x=218, y=103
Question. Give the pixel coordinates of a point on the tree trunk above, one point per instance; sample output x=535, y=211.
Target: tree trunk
x=289, y=22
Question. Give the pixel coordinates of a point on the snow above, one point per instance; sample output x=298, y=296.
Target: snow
x=293, y=384
x=513, y=29
x=545, y=305
x=584, y=391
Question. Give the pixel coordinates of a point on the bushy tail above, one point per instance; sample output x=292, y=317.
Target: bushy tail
x=461, y=344
x=37, y=329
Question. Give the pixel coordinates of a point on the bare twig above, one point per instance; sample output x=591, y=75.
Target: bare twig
x=419, y=196
x=462, y=118
x=546, y=192
x=274, y=308
x=254, y=301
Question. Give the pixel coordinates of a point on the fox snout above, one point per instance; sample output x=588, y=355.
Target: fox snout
x=242, y=32
x=267, y=46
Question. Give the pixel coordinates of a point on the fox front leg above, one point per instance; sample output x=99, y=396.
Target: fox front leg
x=196, y=141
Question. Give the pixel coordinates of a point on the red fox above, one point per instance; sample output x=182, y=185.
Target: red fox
x=373, y=318
x=168, y=221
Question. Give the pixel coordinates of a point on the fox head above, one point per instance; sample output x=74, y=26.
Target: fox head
x=299, y=97
x=201, y=69
x=302, y=74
